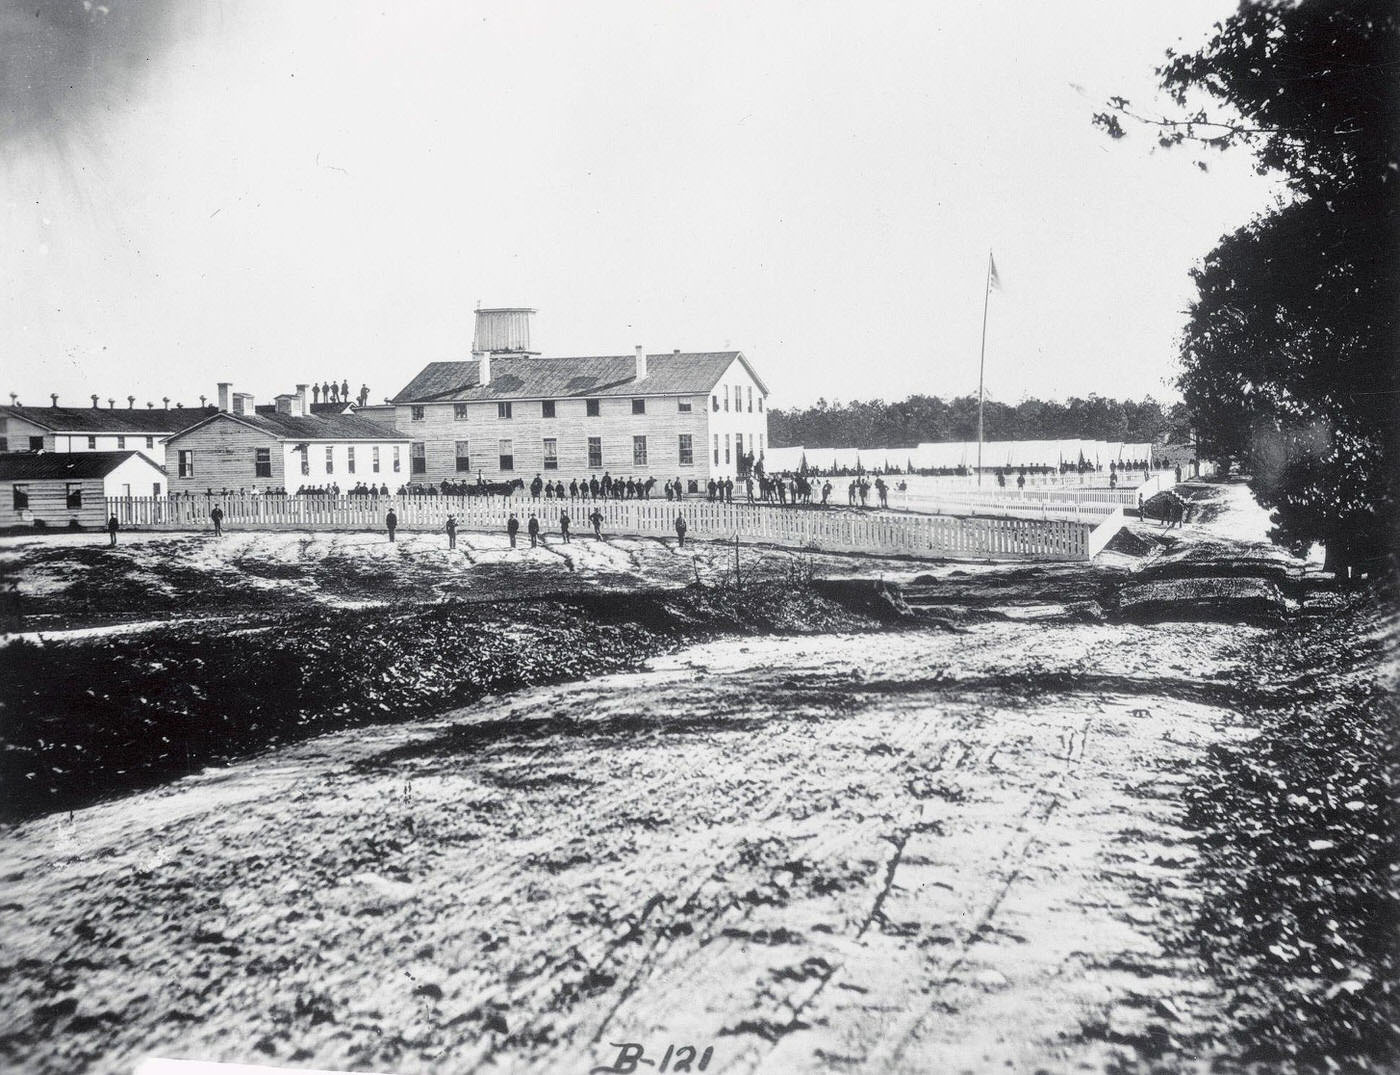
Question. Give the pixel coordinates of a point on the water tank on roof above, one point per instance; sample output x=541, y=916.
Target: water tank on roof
x=503, y=330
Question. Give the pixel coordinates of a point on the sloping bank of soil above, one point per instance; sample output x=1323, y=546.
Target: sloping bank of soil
x=83, y=719
x=1299, y=829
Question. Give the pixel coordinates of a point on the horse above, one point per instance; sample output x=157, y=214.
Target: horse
x=647, y=487
x=485, y=488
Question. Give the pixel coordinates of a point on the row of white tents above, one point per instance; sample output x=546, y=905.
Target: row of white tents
x=950, y=455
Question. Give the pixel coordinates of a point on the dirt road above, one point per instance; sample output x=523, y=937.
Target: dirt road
x=888, y=852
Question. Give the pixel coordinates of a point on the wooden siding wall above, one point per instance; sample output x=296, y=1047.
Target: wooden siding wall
x=616, y=425
x=224, y=458
x=48, y=502
x=930, y=537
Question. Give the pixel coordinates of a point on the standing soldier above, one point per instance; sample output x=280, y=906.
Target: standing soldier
x=392, y=522
x=217, y=515
x=536, y=486
x=533, y=526
x=564, y=526
x=680, y=492
x=596, y=518
x=112, y=527
x=512, y=528
x=451, y=531
x=826, y=492
x=680, y=530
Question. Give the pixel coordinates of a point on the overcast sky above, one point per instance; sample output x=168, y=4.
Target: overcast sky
x=267, y=192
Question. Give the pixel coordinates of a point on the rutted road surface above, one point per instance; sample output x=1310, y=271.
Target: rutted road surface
x=921, y=851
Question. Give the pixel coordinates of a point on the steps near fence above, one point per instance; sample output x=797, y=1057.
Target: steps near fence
x=980, y=537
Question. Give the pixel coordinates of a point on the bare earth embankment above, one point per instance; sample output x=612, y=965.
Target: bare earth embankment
x=996, y=839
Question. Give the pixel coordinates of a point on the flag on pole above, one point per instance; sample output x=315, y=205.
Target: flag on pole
x=993, y=280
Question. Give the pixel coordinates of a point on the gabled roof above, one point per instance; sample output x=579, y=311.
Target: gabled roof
x=312, y=427
x=559, y=378
x=110, y=419
x=36, y=466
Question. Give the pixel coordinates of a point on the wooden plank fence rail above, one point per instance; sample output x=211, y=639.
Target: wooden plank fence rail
x=929, y=536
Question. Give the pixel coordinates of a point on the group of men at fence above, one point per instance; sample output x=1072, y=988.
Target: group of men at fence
x=533, y=529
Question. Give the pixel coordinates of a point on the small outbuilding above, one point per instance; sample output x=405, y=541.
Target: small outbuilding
x=59, y=489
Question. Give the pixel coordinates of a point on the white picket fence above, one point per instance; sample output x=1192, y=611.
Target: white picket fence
x=926, y=536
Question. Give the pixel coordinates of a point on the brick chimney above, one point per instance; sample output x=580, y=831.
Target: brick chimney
x=641, y=363
x=225, y=387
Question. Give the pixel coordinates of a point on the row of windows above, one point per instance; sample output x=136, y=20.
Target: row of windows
x=74, y=497
x=722, y=398
x=262, y=460
x=592, y=408
x=36, y=444
x=505, y=453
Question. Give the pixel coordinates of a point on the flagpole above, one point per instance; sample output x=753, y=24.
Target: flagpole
x=982, y=363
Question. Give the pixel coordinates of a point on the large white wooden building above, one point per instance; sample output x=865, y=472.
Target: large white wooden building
x=510, y=413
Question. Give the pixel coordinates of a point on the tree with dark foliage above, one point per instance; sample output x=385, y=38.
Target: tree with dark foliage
x=1291, y=350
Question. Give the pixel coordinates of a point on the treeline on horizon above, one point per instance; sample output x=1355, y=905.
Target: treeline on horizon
x=920, y=419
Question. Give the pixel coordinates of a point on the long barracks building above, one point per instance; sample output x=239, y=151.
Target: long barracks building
x=509, y=413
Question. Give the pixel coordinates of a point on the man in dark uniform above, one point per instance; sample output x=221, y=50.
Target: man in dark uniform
x=217, y=515
x=392, y=522
x=451, y=531
x=680, y=531
x=564, y=526
x=597, y=520
x=112, y=527
x=535, y=487
x=573, y=489
x=533, y=526
x=512, y=528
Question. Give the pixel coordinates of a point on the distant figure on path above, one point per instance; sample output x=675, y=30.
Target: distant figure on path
x=597, y=520
x=533, y=526
x=451, y=531
x=512, y=528
x=112, y=527
x=391, y=521
x=564, y=526
x=1178, y=472
x=217, y=515
x=680, y=531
